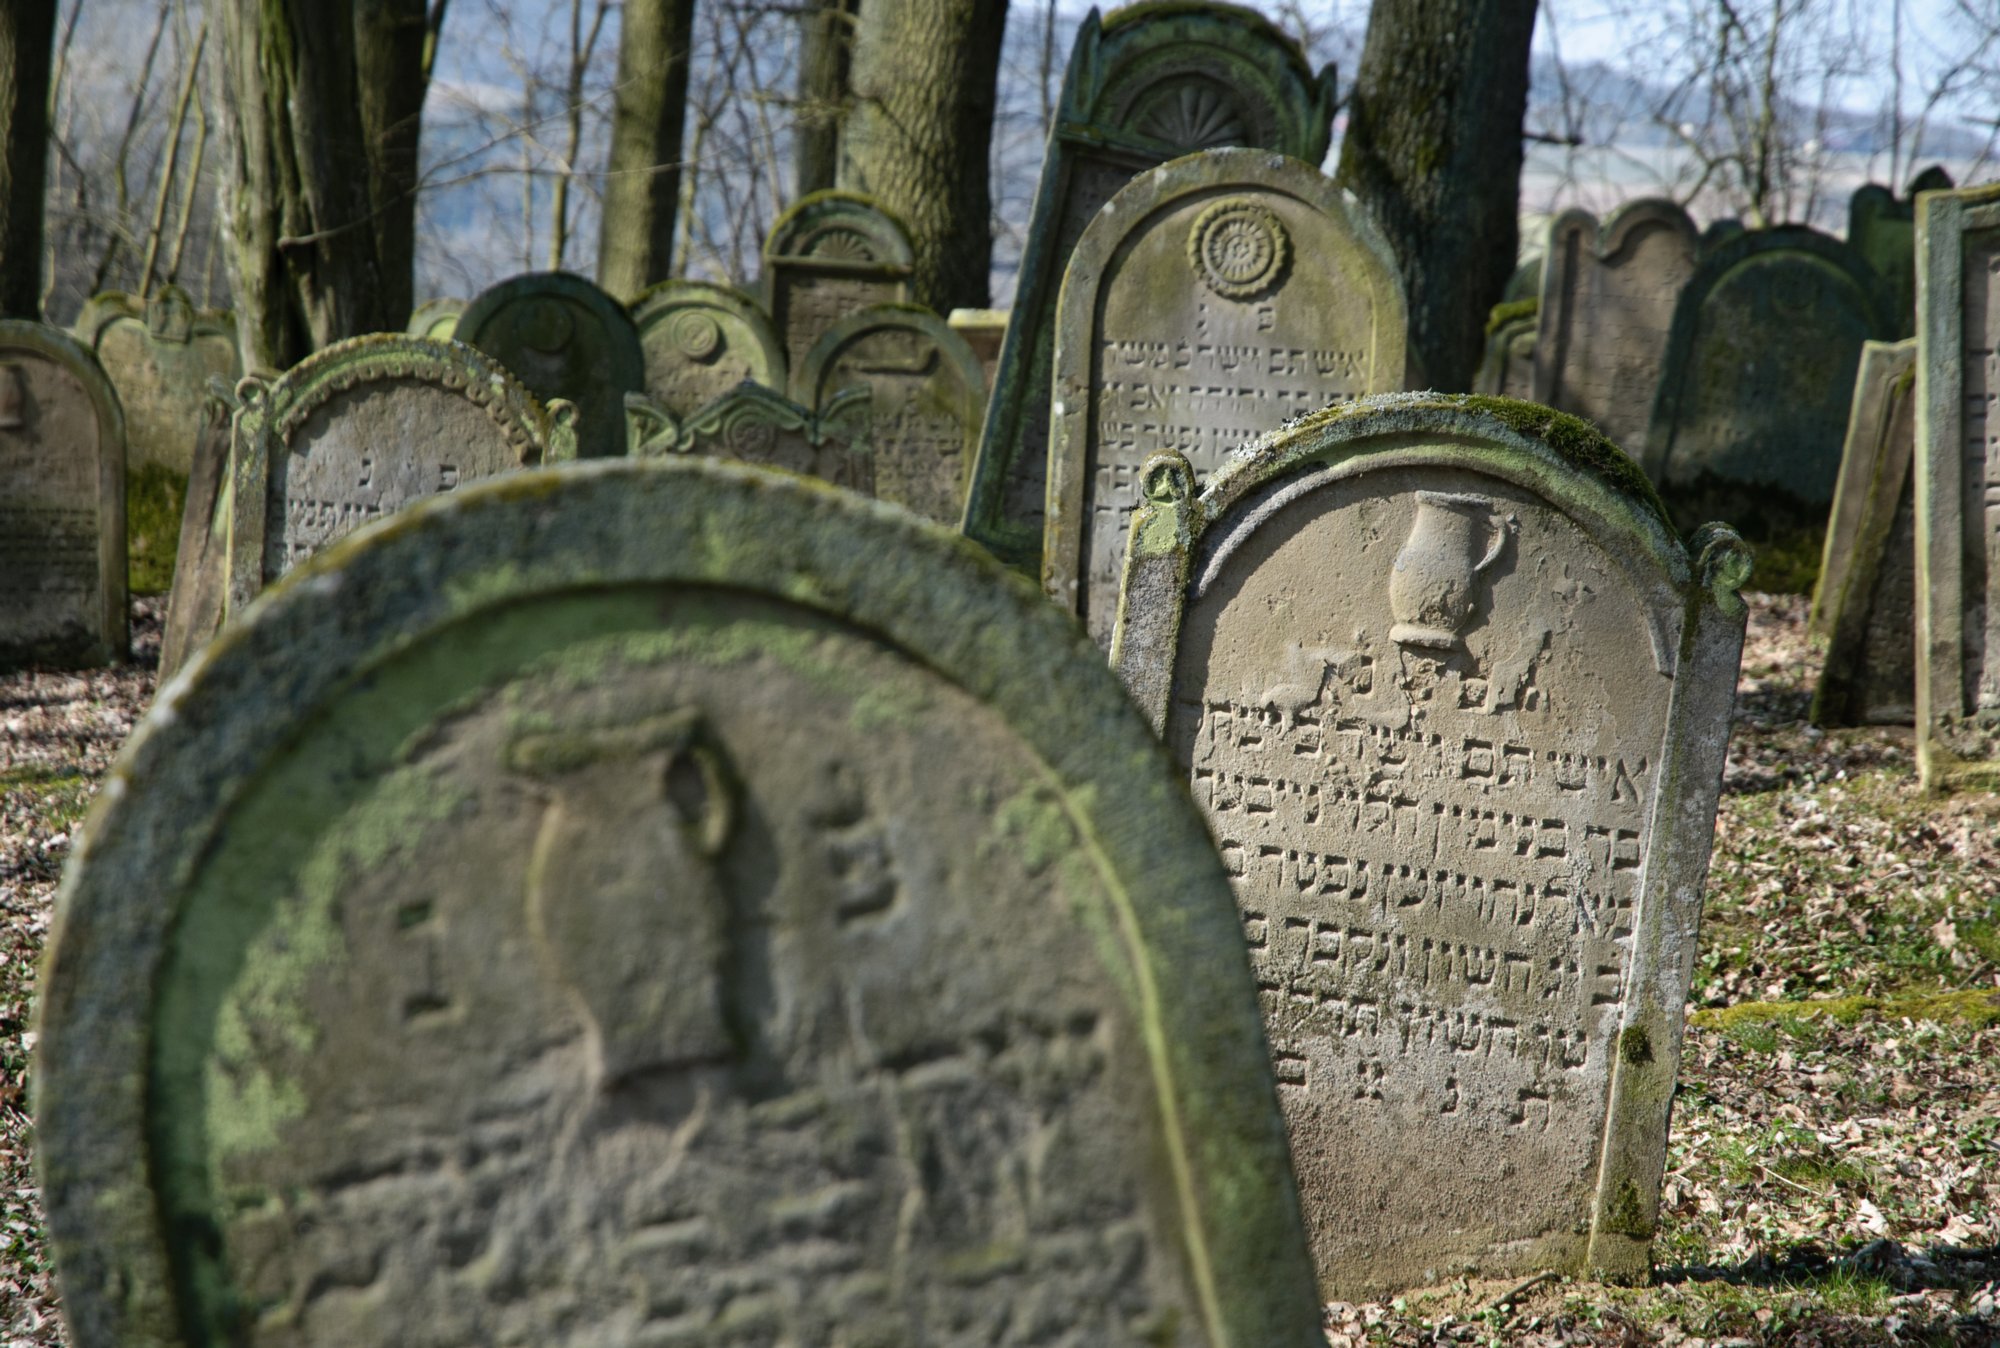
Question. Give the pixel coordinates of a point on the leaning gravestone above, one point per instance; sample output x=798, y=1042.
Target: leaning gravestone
x=1507, y=367
x=1883, y=229
x=1211, y=300
x=1864, y=606
x=757, y=425
x=1607, y=304
x=1147, y=84
x=1958, y=488
x=1456, y=701
x=703, y=340
x=711, y=931
x=159, y=354
x=926, y=399
x=436, y=319
x=564, y=338
x=831, y=254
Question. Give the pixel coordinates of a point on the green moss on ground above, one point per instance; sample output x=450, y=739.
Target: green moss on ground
x=1977, y=1007
x=155, y=496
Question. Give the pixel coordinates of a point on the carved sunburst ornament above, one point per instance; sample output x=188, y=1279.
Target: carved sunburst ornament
x=841, y=245
x=1238, y=248
x=1196, y=115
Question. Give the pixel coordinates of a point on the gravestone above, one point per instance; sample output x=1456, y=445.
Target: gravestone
x=828, y=256
x=1753, y=397
x=1146, y=84
x=1212, y=299
x=1958, y=488
x=564, y=338
x=926, y=399
x=62, y=503
x=757, y=425
x=1507, y=366
x=703, y=340
x=201, y=561
x=708, y=930
x=159, y=354
x=1456, y=701
x=1883, y=229
x=1607, y=305
x=1864, y=606
x=436, y=319
x=984, y=331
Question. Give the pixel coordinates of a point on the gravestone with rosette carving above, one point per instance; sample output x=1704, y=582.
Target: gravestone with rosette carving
x=1211, y=300
x=1456, y=700
x=657, y=902
x=703, y=340
x=564, y=338
x=828, y=256
x=159, y=353
x=753, y=424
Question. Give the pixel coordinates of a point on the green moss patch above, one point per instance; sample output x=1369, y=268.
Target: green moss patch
x=155, y=497
x=1503, y=314
x=1978, y=1008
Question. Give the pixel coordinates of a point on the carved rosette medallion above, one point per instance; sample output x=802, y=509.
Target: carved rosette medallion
x=695, y=335
x=1238, y=248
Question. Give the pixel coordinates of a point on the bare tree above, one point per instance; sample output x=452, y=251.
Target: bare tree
x=27, y=34
x=642, y=191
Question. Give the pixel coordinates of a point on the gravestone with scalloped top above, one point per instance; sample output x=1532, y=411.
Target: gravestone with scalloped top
x=830, y=255
x=564, y=338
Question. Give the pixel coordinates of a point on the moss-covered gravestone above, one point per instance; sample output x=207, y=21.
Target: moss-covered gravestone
x=1883, y=229
x=828, y=256
x=646, y=903
x=703, y=340
x=564, y=338
x=1958, y=488
x=62, y=503
x=159, y=353
x=1864, y=607
x=754, y=424
x=436, y=319
x=1607, y=304
x=1211, y=300
x=1507, y=366
x=1455, y=699
x=1148, y=83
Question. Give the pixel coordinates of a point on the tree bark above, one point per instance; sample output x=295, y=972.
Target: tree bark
x=393, y=74
x=27, y=40
x=641, y=195
x=826, y=44
x=1433, y=151
x=920, y=135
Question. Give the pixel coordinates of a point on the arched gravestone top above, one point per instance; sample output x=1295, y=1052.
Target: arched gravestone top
x=1456, y=701
x=1760, y=365
x=1882, y=228
x=1211, y=300
x=926, y=399
x=731, y=891
x=159, y=353
x=830, y=254
x=564, y=338
x=756, y=425
x=1149, y=83
x=702, y=340
x=62, y=503
x=436, y=319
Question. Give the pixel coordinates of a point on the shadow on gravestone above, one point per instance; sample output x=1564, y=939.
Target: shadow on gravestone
x=564, y=338
x=1211, y=300
x=714, y=929
x=756, y=425
x=1149, y=83
x=436, y=319
x=1456, y=702
x=829, y=255
x=62, y=503
x=703, y=340
x=1883, y=229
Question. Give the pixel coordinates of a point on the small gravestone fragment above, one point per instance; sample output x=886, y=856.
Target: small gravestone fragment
x=436, y=319
x=1507, y=367
x=1882, y=228
x=757, y=425
x=201, y=563
x=830, y=255
x=984, y=330
x=564, y=338
x=703, y=340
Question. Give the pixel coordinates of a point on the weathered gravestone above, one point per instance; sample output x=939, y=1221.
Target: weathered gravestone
x=1753, y=398
x=829, y=255
x=926, y=399
x=1607, y=305
x=159, y=354
x=984, y=331
x=1864, y=606
x=1958, y=488
x=436, y=319
x=1149, y=83
x=703, y=340
x=563, y=338
x=1507, y=367
x=1211, y=300
x=1883, y=229
x=710, y=930
x=1456, y=700
x=754, y=424
x=62, y=503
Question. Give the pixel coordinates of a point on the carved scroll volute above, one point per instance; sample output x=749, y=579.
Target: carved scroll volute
x=562, y=432
x=1158, y=554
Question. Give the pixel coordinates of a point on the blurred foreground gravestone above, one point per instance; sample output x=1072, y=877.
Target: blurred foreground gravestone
x=564, y=338
x=1211, y=300
x=1456, y=701
x=159, y=354
x=712, y=931
x=828, y=256
x=703, y=340
x=62, y=503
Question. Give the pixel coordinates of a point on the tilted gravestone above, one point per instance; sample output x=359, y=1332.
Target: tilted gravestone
x=1146, y=84
x=926, y=399
x=1211, y=300
x=828, y=256
x=703, y=340
x=200, y=590
x=1864, y=606
x=564, y=338
x=1456, y=700
x=436, y=319
x=1958, y=488
x=1607, y=304
x=710, y=930
x=159, y=354
x=62, y=503
x=1507, y=367
x=757, y=425
x=1883, y=229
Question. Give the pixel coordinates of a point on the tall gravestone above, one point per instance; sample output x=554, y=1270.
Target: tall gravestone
x=436, y=319
x=1607, y=305
x=1864, y=606
x=1883, y=229
x=564, y=338
x=62, y=503
x=159, y=353
x=830, y=255
x=1147, y=84
x=926, y=399
x=1958, y=488
x=1507, y=366
x=1211, y=300
x=712, y=932
x=703, y=340
x=1456, y=701
x=756, y=425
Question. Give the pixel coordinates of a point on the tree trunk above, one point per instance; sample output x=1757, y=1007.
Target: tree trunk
x=826, y=42
x=390, y=41
x=920, y=136
x=1433, y=151
x=636, y=245
x=27, y=38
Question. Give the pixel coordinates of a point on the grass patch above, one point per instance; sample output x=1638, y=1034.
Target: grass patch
x=1748, y=1022
x=155, y=496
